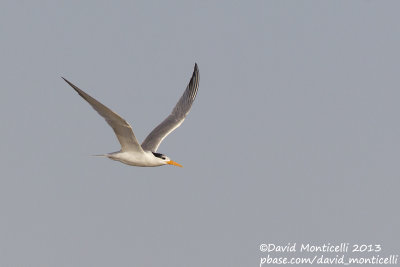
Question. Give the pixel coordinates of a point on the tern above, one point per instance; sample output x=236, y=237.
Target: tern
x=144, y=155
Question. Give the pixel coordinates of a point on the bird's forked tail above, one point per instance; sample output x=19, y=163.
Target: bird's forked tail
x=100, y=155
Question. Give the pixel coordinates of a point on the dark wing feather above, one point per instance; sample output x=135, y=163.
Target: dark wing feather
x=177, y=116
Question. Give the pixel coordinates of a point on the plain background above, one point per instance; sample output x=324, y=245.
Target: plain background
x=294, y=135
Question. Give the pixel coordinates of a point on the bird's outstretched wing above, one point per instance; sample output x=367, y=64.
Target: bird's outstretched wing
x=121, y=128
x=177, y=116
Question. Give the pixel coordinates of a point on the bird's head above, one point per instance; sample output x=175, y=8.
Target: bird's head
x=166, y=160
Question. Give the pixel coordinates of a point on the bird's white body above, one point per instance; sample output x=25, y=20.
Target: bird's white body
x=146, y=159
x=144, y=155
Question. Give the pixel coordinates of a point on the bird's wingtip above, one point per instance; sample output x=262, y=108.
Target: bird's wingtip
x=68, y=82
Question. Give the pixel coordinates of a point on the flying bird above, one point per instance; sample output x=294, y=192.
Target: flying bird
x=144, y=155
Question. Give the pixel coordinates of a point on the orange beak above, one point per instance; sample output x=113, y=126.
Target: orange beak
x=174, y=163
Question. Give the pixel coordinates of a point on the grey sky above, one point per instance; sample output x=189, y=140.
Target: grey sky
x=294, y=135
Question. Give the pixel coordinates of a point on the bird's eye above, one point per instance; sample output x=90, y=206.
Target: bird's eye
x=163, y=157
